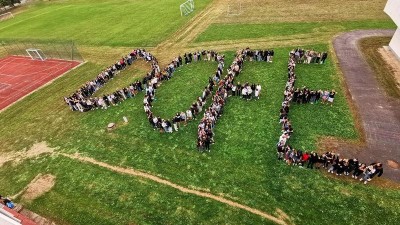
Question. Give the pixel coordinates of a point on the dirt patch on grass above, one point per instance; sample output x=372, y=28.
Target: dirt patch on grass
x=393, y=164
x=346, y=148
x=132, y=172
x=36, y=150
x=38, y=186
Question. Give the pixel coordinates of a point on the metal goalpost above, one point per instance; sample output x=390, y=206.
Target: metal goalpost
x=40, y=50
x=187, y=7
x=35, y=53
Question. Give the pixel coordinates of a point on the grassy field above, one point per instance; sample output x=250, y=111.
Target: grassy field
x=221, y=32
x=104, y=22
x=242, y=165
x=267, y=11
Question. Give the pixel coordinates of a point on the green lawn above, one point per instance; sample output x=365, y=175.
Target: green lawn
x=104, y=22
x=242, y=164
x=234, y=31
x=93, y=195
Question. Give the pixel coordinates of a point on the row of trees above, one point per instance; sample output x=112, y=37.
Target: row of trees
x=10, y=3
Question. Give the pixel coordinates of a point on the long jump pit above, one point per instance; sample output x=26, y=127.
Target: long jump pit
x=20, y=76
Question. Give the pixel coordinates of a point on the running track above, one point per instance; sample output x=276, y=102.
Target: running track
x=19, y=76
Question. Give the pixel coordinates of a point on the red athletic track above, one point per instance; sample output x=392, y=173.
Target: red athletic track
x=20, y=76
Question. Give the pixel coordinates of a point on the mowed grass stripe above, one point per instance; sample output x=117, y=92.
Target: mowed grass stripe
x=238, y=31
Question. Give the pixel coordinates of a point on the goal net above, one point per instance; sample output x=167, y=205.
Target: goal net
x=6, y=16
x=187, y=7
x=40, y=49
x=36, y=54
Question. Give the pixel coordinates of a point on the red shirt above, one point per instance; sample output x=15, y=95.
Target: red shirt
x=305, y=156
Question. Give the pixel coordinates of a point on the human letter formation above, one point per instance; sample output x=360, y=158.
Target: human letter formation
x=329, y=160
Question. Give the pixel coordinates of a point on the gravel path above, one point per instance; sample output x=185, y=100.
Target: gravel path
x=380, y=114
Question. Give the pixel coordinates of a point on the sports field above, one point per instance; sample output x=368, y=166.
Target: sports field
x=20, y=76
x=117, y=177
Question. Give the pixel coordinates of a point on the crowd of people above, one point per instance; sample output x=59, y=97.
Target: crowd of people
x=82, y=99
x=226, y=87
x=222, y=87
x=329, y=160
x=308, y=56
x=166, y=125
x=305, y=95
x=260, y=55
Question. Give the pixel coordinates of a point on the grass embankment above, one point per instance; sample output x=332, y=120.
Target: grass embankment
x=370, y=48
x=242, y=164
x=221, y=32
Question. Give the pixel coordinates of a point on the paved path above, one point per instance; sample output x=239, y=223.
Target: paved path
x=380, y=114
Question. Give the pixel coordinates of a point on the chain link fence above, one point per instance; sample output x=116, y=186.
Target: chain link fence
x=65, y=50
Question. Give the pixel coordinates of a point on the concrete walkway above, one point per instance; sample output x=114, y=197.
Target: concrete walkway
x=380, y=114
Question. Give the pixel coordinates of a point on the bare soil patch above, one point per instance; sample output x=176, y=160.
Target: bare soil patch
x=36, y=150
x=38, y=186
x=393, y=164
x=346, y=148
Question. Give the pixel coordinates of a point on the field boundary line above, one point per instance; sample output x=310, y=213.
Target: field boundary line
x=157, y=179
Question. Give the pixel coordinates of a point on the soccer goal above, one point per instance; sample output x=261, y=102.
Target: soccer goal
x=187, y=7
x=35, y=54
x=6, y=16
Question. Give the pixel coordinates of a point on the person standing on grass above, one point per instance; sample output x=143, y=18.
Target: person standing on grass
x=249, y=92
x=359, y=170
x=189, y=115
x=313, y=96
x=323, y=57
x=183, y=118
x=271, y=55
x=378, y=170
x=325, y=96
x=331, y=97
x=280, y=147
x=257, y=92
x=312, y=160
x=318, y=96
x=369, y=171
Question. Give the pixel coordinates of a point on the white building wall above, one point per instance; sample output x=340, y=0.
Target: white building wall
x=7, y=218
x=395, y=43
x=392, y=8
